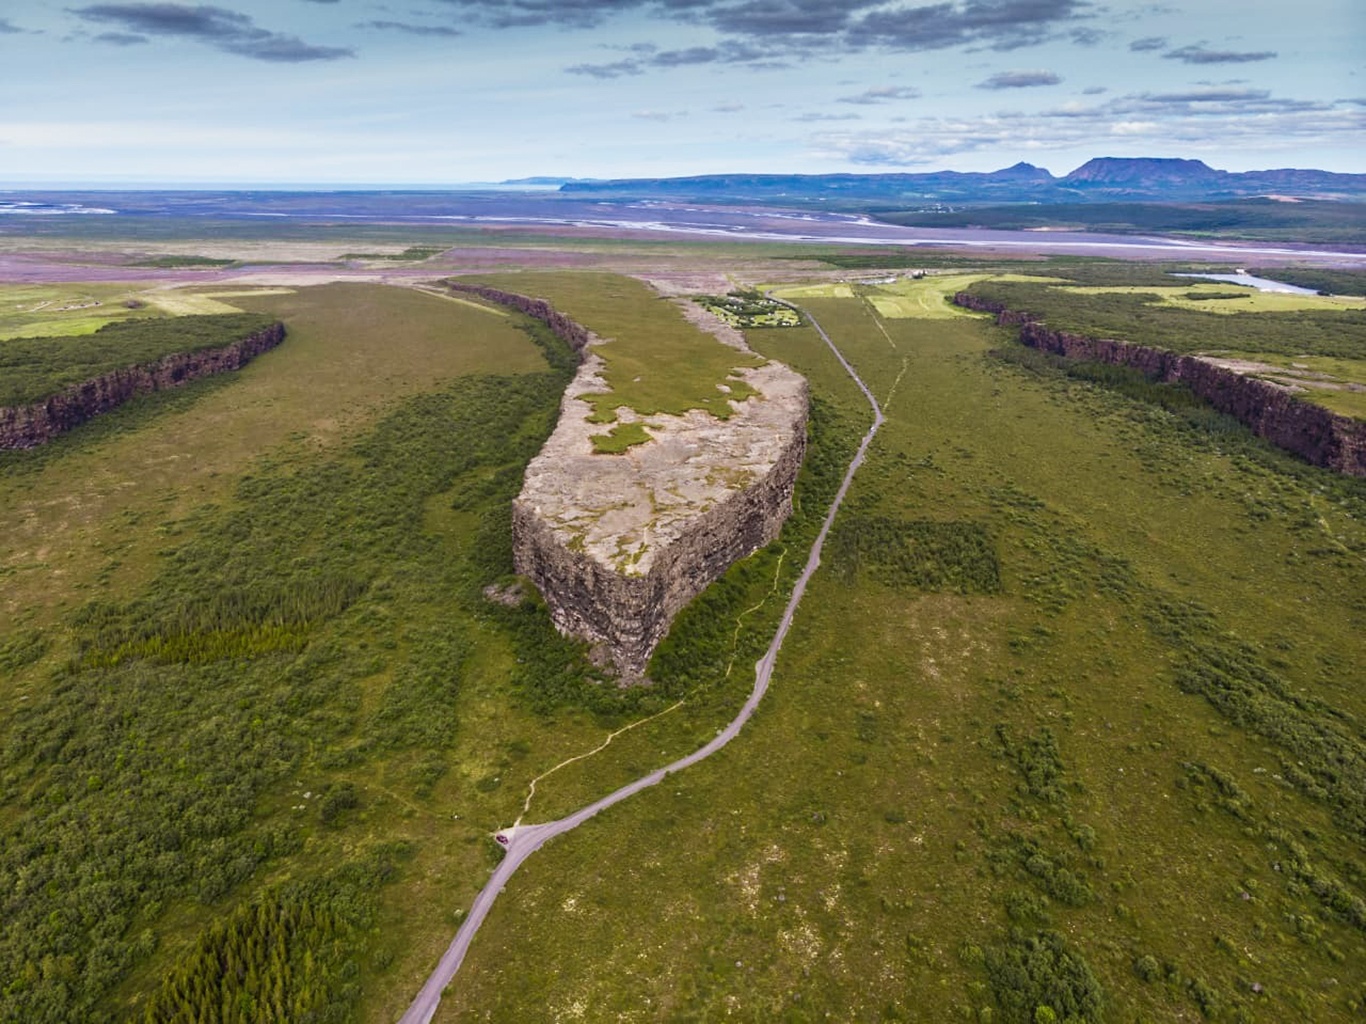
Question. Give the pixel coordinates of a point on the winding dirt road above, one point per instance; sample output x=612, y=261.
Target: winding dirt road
x=521, y=841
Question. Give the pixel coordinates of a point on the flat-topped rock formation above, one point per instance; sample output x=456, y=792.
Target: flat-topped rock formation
x=619, y=543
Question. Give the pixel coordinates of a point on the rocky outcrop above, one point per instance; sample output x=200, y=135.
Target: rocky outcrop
x=25, y=426
x=1311, y=431
x=575, y=335
x=619, y=543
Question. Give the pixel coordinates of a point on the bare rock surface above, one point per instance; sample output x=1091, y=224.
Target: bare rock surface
x=618, y=544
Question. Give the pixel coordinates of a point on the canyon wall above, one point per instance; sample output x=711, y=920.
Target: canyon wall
x=628, y=613
x=575, y=335
x=25, y=426
x=619, y=543
x=1311, y=431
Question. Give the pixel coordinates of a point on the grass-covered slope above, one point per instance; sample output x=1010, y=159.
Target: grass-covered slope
x=31, y=369
x=265, y=682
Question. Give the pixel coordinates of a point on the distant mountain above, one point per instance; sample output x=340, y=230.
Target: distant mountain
x=1103, y=179
x=1145, y=172
x=543, y=180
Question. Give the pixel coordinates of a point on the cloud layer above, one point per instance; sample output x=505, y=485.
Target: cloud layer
x=218, y=27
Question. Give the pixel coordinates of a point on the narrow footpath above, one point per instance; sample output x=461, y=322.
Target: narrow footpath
x=521, y=841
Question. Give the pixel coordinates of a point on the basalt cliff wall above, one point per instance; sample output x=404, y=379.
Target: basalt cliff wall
x=618, y=544
x=26, y=426
x=1311, y=431
x=575, y=335
x=631, y=614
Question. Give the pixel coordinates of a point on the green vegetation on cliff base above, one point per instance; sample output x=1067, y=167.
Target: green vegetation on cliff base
x=31, y=369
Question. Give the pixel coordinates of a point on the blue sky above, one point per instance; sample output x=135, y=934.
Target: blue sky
x=446, y=91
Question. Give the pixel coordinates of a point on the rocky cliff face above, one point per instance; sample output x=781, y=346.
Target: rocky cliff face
x=1311, y=431
x=28, y=425
x=618, y=544
x=576, y=336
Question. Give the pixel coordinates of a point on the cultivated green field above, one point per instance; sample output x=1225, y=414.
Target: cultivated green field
x=1225, y=298
x=1068, y=720
x=31, y=310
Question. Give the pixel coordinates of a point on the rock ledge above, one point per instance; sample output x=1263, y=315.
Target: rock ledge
x=618, y=544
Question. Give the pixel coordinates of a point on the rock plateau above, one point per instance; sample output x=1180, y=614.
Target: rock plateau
x=618, y=544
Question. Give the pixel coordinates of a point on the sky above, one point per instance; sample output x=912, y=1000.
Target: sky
x=449, y=91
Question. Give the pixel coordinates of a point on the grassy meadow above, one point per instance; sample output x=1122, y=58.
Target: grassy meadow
x=1068, y=728
x=260, y=712
x=656, y=361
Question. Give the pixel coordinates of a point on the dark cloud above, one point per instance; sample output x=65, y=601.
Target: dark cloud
x=614, y=69
x=785, y=17
x=1199, y=55
x=1019, y=80
x=825, y=117
x=1207, y=96
x=1087, y=36
x=785, y=26
x=882, y=94
x=408, y=27
x=729, y=52
x=218, y=27
x=728, y=108
x=8, y=27
x=996, y=24
x=658, y=115
x=566, y=13
x=121, y=38
x=1148, y=43
x=1094, y=90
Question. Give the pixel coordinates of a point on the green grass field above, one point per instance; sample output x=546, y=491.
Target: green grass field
x=28, y=311
x=1064, y=756
x=1069, y=718
x=1250, y=301
x=656, y=361
x=301, y=546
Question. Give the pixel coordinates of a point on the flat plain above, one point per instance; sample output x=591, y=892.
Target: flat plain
x=1069, y=720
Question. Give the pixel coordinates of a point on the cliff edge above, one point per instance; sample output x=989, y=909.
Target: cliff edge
x=1313, y=432
x=619, y=543
x=25, y=426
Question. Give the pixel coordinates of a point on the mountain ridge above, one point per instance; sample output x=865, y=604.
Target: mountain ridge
x=1101, y=179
